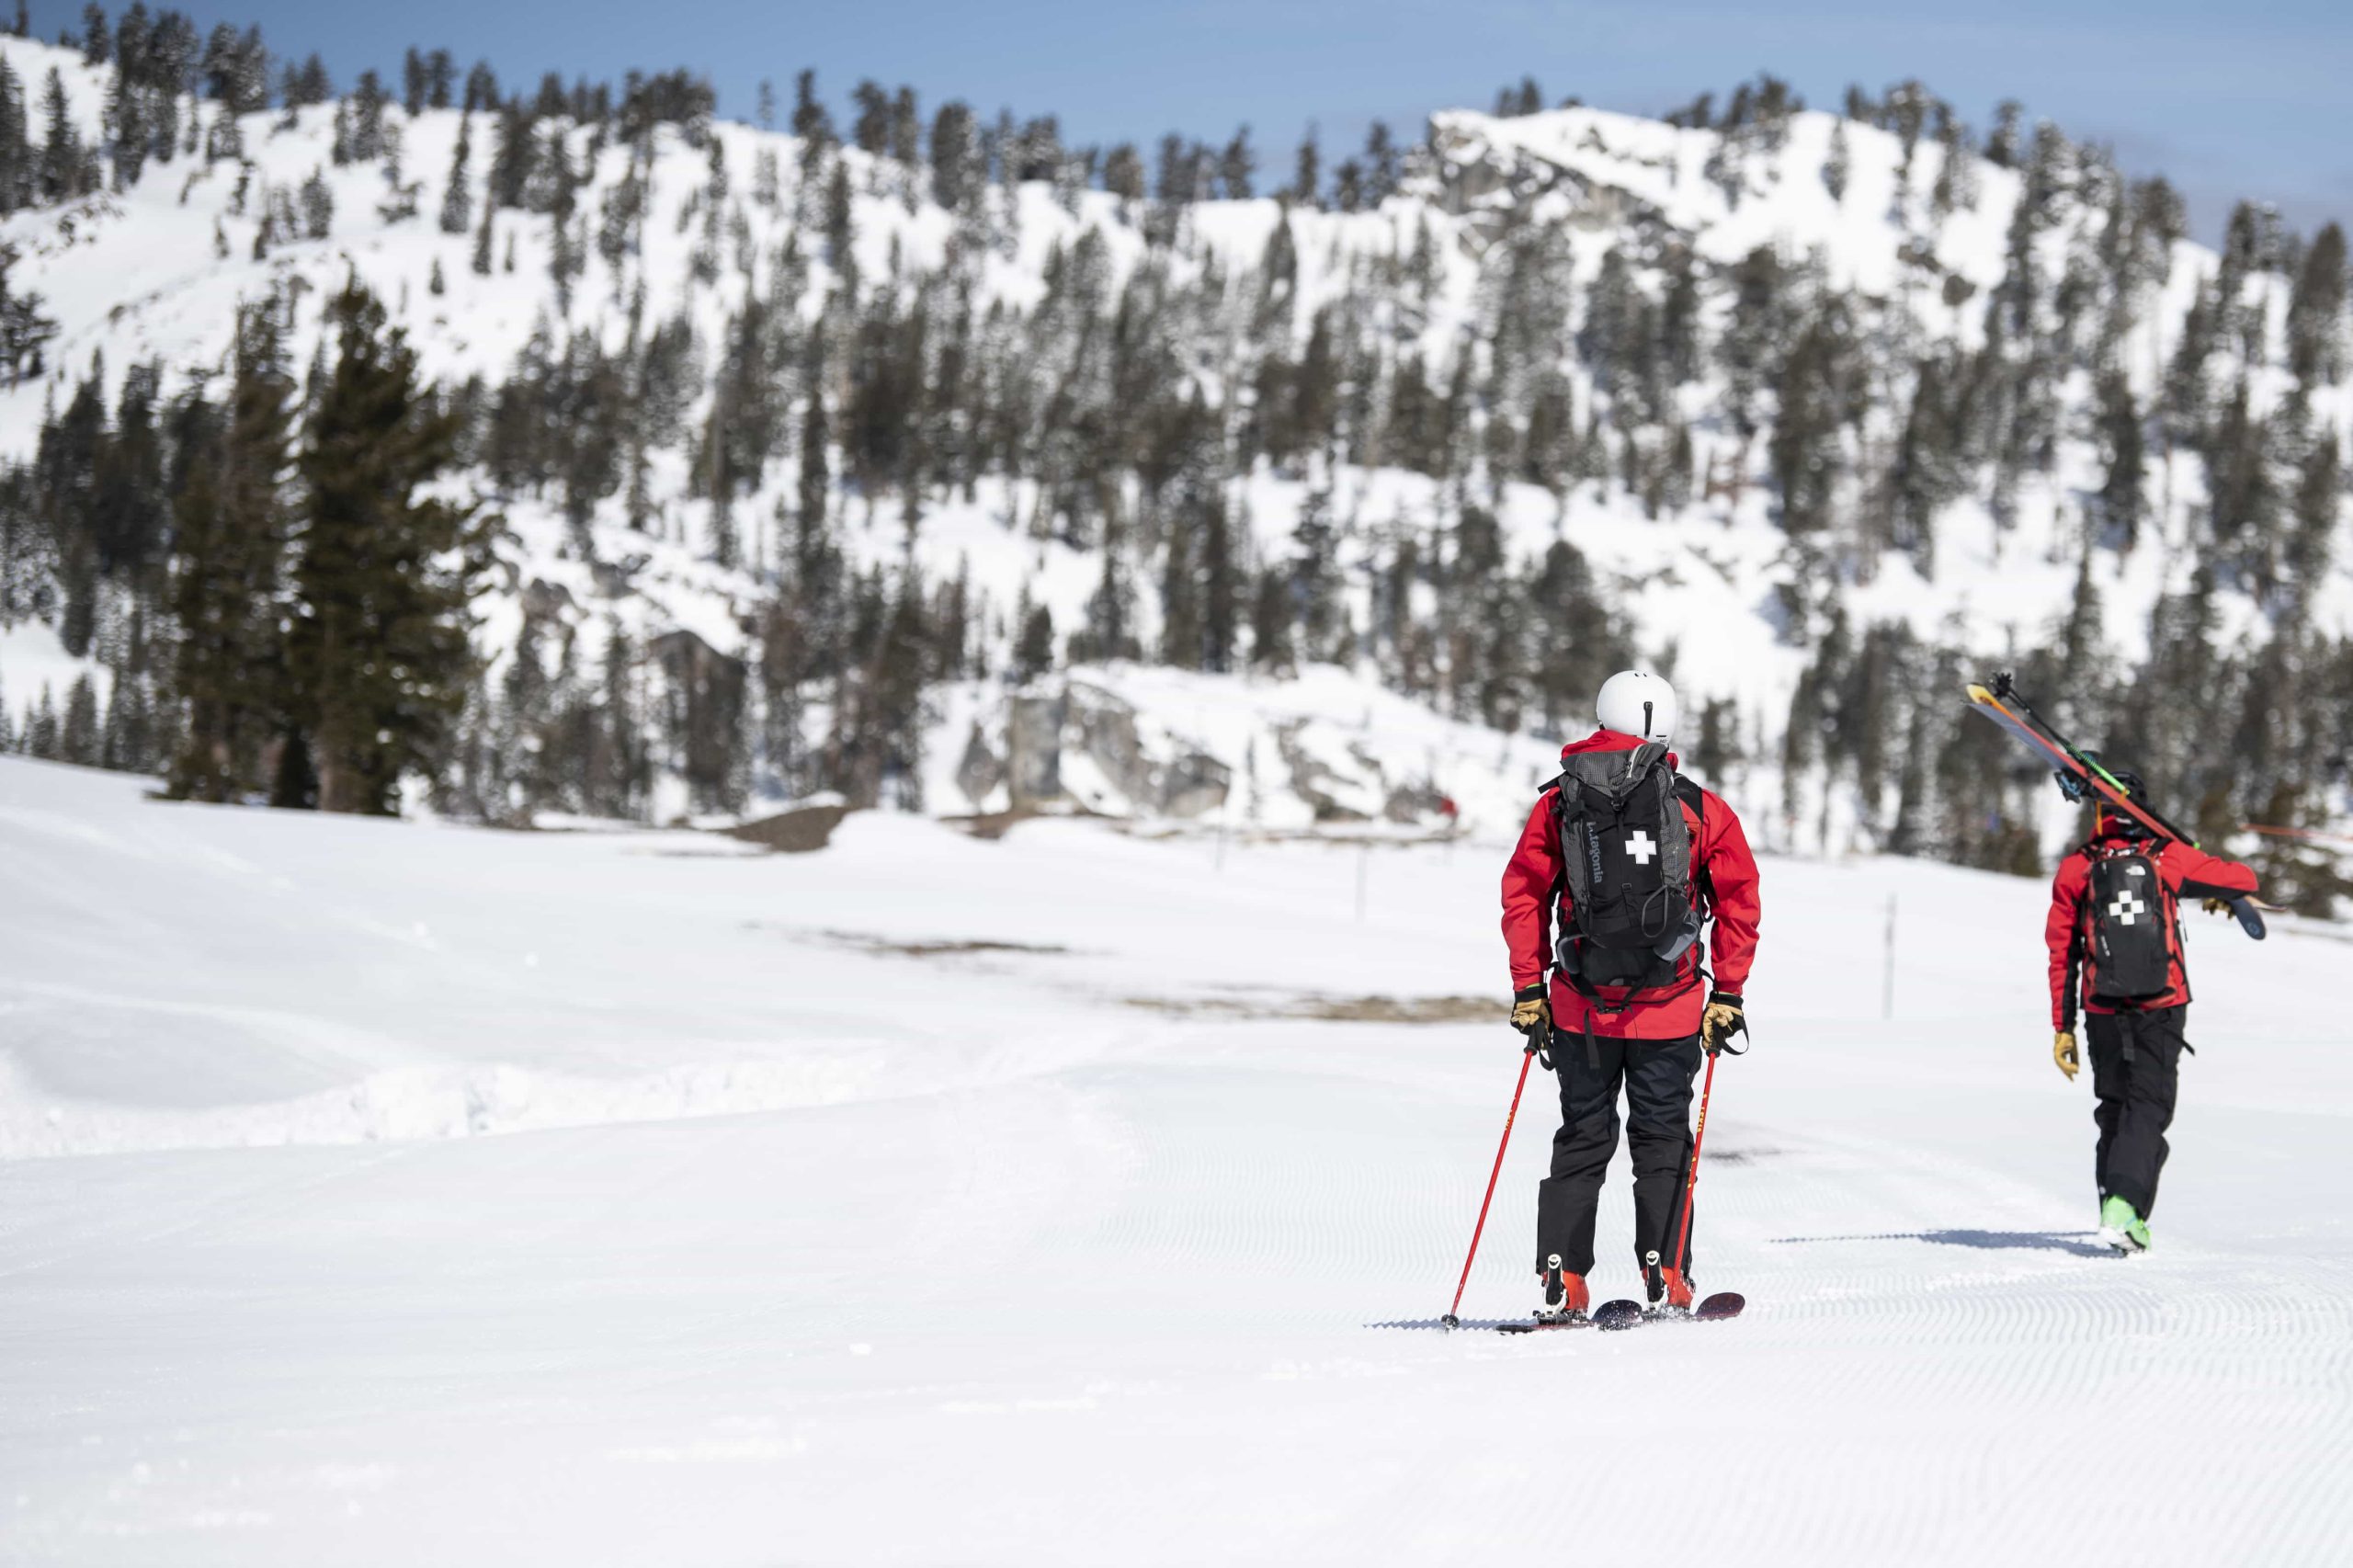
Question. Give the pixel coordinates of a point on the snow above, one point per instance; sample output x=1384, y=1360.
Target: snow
x=33, y=660
x=1784, y=202
x=391, y=1192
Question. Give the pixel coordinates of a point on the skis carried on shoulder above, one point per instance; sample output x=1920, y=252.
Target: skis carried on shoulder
x=2081, y=776
x=1623, y=1315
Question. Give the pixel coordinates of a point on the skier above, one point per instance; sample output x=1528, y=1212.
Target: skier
x=2114, y=933
x=1636, y=858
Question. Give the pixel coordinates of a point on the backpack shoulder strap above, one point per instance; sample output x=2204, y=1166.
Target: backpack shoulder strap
x=1687, y=790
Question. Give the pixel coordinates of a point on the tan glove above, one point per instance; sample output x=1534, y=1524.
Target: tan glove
x=2062, y=1052
x=1720, y=1020
x=2217, y=907
x=1531, y=1012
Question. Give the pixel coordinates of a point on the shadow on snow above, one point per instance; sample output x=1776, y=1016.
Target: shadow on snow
x=1440, y=1322
x=2077, y=1244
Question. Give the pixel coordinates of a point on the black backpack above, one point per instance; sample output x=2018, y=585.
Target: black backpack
x=1626, y=858
x=2128, y=905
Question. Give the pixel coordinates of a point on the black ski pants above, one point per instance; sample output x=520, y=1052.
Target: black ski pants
x=2136, y=1068
x=1656, y=1075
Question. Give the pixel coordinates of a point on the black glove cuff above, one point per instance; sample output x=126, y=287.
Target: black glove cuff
x=1536, y=992
x=1729, y=998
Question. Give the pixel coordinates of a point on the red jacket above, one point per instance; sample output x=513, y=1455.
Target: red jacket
x=1723, y=872
x=2186, y=872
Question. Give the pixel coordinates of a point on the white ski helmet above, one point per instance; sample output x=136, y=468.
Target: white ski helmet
x=1638, y=703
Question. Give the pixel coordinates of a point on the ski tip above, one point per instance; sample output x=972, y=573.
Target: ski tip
x=1978, y=693
x=1618, y=1315
x=1722, y=1304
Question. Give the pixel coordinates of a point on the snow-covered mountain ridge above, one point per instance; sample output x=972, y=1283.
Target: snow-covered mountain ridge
x=1815, y=404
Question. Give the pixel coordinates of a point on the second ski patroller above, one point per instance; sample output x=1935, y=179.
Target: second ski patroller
x=2114, y=939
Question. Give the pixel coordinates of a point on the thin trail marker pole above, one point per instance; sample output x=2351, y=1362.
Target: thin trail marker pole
x=1450, y=1320
x=1364, y=863
x=1887, y=976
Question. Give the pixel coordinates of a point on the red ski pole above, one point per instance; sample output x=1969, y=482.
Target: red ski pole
x=1450, y=1320
x=1683, y=1225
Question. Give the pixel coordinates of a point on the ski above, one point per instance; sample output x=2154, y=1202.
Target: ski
x=1614, y=1317
x=2080, y=774
x=1718, y=1308
x=1608, y=1316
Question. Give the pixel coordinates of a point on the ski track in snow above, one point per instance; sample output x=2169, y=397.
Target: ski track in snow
x=968, y=1261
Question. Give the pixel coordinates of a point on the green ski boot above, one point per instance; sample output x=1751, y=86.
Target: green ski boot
x=2123, y=1228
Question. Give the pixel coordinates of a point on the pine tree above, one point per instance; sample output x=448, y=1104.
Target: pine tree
x=318, y=206
x=1272, y=614
x=1805, y=447
x=457, y=196
x=77, y=735
x=1033, y=650
x=2316, y=312
x=1221, y=585
x=480, y=258
x=2244, y=513
x=96, y=46
x=61, y=175
x=2318, y=498
x=1181, y=632
x=232, y=517
x=1237, y=166
x=1578, y=640
x=25, y=330
x=1307, y=177
x=16, y=161
x=811, y=123
x=40, y=729
x=381, y=648
x=2121, y=496
x=955, y=179
x=1380, y=164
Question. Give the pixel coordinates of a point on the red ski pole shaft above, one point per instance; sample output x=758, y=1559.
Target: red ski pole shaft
x=1691, y=1184
x=1479, y=1229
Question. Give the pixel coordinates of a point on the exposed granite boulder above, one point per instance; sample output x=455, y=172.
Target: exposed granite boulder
x=1033, y=745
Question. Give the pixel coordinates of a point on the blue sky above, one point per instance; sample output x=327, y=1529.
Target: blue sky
x=2247, y=99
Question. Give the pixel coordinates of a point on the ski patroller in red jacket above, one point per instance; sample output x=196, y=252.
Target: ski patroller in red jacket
x=2186, y=872
x=1723, y=874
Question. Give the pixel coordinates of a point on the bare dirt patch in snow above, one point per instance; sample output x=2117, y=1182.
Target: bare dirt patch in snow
x=1332, y=1009
x=934, y=947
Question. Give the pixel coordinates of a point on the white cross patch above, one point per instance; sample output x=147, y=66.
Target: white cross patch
x=2128, y=907
x=1639, y=846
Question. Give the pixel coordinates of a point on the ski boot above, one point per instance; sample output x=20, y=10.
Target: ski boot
x=1669, y=1289
x=1565, y=1297
x=2122, y=1227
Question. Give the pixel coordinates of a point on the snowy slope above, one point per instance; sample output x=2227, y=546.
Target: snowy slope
x=987, y=1264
